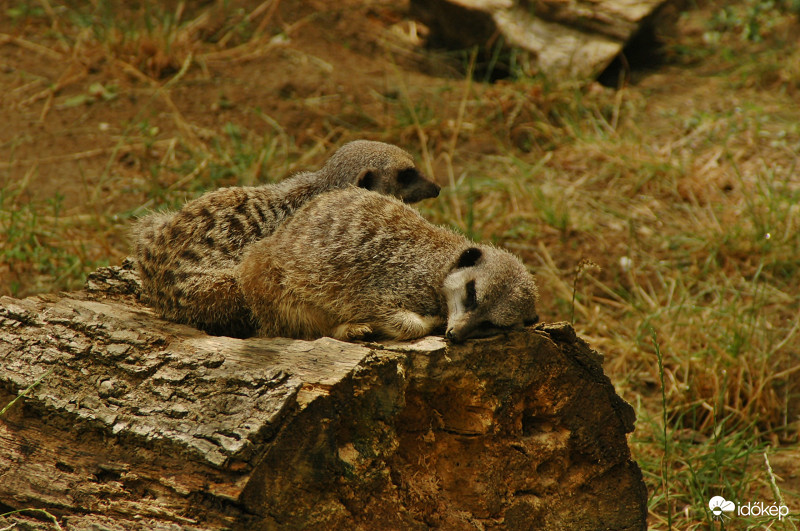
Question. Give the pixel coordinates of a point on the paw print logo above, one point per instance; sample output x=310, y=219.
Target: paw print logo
x=720, y=505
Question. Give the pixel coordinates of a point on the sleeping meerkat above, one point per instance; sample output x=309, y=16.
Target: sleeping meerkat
x=352, y=263
x=186, y=258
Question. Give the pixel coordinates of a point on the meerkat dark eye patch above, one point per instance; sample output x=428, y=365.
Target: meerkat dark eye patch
x=407, y=176
x=368, y=180
x=471, y=301
x=469, y=258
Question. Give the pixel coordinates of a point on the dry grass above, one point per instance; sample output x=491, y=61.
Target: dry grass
x=662, y=218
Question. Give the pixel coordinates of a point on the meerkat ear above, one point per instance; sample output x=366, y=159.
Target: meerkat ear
x=469, y=258
x=367, y=179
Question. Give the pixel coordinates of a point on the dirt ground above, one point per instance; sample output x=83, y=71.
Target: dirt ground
x=102, y=125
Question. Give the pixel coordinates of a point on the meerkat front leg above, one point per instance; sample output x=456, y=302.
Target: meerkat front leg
x=405, y=324
x=350, y=331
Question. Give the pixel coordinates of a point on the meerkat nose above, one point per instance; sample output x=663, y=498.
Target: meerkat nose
x=452, y=336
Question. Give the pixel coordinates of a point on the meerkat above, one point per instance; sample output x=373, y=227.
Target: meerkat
x=186, y=258
x=353, y=264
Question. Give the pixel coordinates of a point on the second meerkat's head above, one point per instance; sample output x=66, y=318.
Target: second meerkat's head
x=382, y=168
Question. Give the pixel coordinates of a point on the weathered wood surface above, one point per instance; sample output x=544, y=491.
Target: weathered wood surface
x=576, y=39
x=139, y=423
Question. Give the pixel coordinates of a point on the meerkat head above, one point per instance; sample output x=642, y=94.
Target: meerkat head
x=488, y=287
x=382, y=168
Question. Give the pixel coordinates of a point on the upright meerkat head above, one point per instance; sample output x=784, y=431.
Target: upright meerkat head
x=382, y=168
x=488, y=286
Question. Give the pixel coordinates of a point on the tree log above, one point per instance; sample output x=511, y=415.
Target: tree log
x=139, y=423
x=575, y=39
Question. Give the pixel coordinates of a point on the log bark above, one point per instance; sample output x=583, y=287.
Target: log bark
x=575, y=39
x=139, y=423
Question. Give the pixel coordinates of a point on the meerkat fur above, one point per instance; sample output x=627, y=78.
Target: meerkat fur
x=352, y=264
x=186, y=258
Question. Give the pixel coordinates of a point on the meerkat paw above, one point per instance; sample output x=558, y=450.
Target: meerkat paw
x=349, y=331
x=405, y=324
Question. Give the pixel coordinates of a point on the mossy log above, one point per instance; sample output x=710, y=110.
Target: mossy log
x=576, y=39
x=139, y=423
